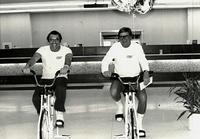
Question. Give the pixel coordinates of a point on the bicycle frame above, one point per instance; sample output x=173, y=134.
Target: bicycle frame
x=46, y=106
x=130, y=112
x=47, y=109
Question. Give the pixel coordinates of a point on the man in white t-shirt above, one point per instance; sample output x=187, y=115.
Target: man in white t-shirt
x=127, y=59
x=54, y=57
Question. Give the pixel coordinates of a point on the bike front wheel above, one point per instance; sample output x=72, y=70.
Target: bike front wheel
x=45, y=131
x=131, y=125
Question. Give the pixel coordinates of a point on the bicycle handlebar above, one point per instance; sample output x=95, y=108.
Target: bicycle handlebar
x=132, y=80
x=36, y=80
x=138, y=81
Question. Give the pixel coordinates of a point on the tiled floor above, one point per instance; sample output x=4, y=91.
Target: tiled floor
x=90, y=115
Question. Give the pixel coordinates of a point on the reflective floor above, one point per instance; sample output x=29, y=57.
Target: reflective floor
x=90, y=114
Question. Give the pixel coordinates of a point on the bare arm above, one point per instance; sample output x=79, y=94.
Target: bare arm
x=68, y=60
x=107, y=65
x=31, y=62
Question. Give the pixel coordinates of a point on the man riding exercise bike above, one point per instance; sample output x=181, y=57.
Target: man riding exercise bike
x=127, y=59
x=54, y=57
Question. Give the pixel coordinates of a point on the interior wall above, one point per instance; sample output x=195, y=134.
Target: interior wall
x=24, y=1
x=193, y=24
x=77, y=27
x=16, y=28
x=0, y=32
x=160, y=26
x=163, y=26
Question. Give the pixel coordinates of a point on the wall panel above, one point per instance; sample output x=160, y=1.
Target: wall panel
x=16, y=28
x=193, y=24
x=77, y=27
x=160, y=26
x=164, y=26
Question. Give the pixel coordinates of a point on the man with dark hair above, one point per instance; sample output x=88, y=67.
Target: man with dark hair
x=127, y=59
x=54, y=32
x=54, y=57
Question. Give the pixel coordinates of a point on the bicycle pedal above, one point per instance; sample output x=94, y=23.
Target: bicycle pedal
x=60, y=125
x=120, y=136
x=62, y=137
x=119, y=117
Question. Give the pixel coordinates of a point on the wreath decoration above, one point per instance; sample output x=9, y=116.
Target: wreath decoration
x=134, y=6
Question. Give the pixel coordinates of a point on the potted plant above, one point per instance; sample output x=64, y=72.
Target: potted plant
x=189, y=95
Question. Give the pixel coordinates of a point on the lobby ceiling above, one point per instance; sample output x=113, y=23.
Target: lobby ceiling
x=19, y=6
x=25, y=1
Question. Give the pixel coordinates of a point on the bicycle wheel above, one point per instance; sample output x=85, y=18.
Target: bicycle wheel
x=44, y=126
x=134, y=125
x=131, y=122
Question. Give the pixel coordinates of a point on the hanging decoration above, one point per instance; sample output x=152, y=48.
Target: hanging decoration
x=134, y=6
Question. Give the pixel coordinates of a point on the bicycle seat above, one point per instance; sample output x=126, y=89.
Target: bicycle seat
x=131, y=80
x=124, y=79
x=133, y=88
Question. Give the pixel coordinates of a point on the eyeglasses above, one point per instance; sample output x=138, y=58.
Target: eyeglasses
x=54, y=40
x=124, y=36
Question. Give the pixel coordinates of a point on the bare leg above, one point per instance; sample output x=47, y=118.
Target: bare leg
x=115, y=91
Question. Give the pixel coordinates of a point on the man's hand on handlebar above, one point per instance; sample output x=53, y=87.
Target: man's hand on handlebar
x=146, y=77
x=65, y=70
x=107, y=74
x=26, y=70
x=111, y=68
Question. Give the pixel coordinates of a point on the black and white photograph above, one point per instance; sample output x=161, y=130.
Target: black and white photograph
x=99, y=69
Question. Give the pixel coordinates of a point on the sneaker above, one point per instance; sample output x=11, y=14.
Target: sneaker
x=59, y=119
x=119, y=117
x=119, y=114
x=142, y=133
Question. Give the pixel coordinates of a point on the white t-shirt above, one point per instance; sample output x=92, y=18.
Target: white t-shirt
x=129, y=62
x=52, y=61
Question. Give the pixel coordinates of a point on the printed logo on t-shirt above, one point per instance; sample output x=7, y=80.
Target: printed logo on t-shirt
x=58, y=57
x=129, y=56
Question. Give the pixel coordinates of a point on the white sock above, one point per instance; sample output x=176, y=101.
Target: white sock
x=59, y=115
x=140, y=119
x=119, y=107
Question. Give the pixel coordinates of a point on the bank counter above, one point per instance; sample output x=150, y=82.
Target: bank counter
x=168, y=62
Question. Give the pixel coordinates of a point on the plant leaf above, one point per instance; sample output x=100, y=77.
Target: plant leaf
x=182, y=113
